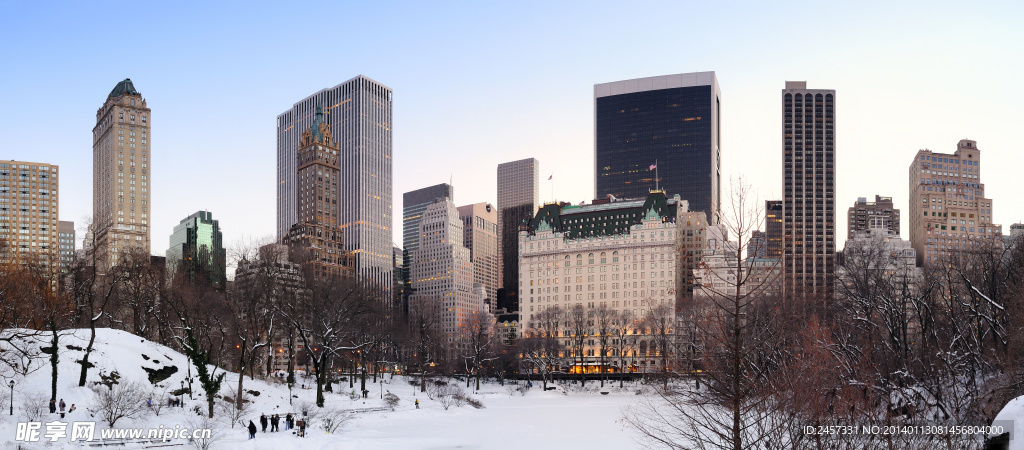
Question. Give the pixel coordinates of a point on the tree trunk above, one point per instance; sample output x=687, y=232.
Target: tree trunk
x=88, y=350
x=53, y=361
x=241, y=376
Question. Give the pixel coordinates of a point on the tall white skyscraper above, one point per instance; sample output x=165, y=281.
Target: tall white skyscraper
x=359, y=114
x=442, y=273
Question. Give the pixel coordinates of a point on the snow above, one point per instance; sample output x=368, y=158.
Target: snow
x=1013, y=415
x=563, y=418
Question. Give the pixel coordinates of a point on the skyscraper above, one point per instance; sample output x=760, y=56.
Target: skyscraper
x=358, y=112
x=859, y=216
x=197, y=247
x=809, y=189
x=442, y=274
x=316, y=238
x=773, y=228
x=518, y=200
x=665, y=127
x=949, y=211
x=414, y=203
x=121, y=183
x=28, y=209
x=480, y=236
x=65, y=244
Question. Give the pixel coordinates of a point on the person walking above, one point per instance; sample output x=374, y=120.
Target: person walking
x=263, y=422
x=72, y=409
x=274, y=421
x=62, y=406
x=288, y=420
x=53, y=406
x=417, y=403
x=252, y=430
x=302, y=427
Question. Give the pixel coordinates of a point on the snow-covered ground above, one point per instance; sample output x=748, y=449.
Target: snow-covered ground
x=564, y=418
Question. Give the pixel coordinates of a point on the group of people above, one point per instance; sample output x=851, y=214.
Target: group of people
x=53, y=407
x=274, y=421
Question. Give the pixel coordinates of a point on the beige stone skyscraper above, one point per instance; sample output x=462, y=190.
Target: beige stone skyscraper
x=480, y=236
x=28, y=208
x=121, y=143
x=948, y=208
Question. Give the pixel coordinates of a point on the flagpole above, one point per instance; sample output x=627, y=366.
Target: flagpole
x=656, y=174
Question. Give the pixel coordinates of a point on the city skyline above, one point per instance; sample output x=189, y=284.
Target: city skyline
x=869, y=59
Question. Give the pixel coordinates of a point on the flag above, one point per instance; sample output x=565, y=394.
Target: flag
x=653, y=166
x=549, y=178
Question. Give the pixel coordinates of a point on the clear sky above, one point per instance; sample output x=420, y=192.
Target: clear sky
x=479, y=83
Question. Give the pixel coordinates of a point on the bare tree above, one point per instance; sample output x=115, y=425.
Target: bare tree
x=328, y=321
x=237, y=408
x=542, y=349
x=659, y=321
x=423, y=331
x=604, y=320
x=577, y=326
x=622, y=326
x=195, y=312
x=730, y=411
x=122, y=401
x=138, y=284
x=259, y=283
x=92, y=293
x=479, y=337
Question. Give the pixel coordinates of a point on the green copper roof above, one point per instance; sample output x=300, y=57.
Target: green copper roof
x=125, y=87
x=603, y=219
x=314, y=127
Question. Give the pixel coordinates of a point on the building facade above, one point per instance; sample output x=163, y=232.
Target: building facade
x=317, y=239
x=414, y=203
x=773, y=228
x=272, y=266
x=29, y=204
x=809, y=190
x=122, y=185
x=662, y=133
x=442, y=275
x=197, y=247
x=948, y=207
x=359, y=113
x=860, y=214
x=623, y=255
x=65, y=244
x=518, y=199
x=480, y=236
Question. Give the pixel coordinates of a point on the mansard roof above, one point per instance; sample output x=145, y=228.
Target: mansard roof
x=125, y=87
x=604, y=218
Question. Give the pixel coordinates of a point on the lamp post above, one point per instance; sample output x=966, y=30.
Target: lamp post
x=12, y=397
x=382, y=387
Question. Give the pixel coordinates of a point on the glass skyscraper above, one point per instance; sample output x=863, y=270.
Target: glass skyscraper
x=660, y=132
x=197, y=246
x=358, y=112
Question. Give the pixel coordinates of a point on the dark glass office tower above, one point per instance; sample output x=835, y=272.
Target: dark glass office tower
x=670, y=121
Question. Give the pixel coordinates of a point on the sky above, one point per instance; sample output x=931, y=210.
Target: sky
x=480, y=83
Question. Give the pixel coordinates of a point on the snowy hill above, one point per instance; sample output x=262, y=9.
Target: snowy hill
x=508, y=418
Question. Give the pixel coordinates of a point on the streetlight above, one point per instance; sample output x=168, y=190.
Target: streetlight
x=12, y=397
